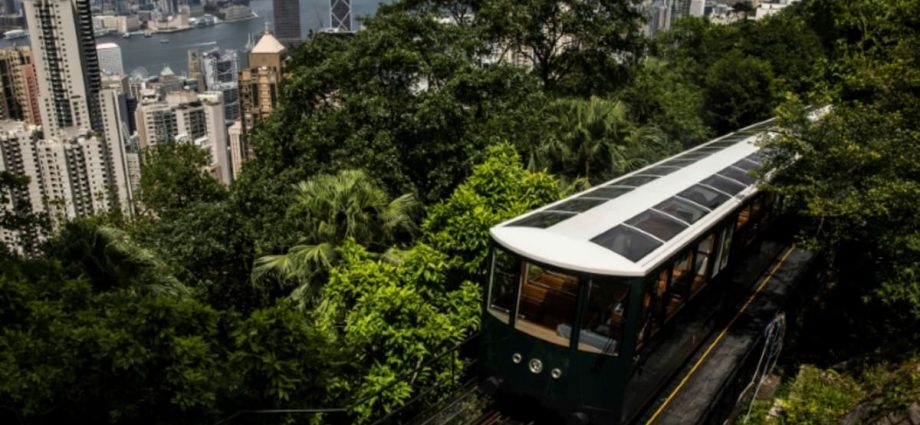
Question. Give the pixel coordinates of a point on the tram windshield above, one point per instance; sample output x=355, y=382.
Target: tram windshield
x=504, y=278
x=546, y=305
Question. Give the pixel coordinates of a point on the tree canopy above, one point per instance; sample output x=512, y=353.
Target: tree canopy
x=351, y=250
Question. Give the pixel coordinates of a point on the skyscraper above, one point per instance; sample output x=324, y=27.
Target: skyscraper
x=287, y=21
x=216, y=142
x=260, y=87
x=221, y=73
x=340, y=15
x=260, y=84
x=110, y=58
x=82, y=150
x=64, y=52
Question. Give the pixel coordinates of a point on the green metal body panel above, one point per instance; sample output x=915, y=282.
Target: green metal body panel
x=589, y=381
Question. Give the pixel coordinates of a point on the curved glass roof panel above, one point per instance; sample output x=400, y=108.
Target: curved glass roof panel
x=694, y=155
x=723, y=184
x=606, y=192
x=679, y=162
x=704, y=196
x=724, y=143
x=684, y=210
x=542, y=219
x=577, y=205
x=738, y=175
x=660, y=170
x=628, y=242
x=634, y=181
x=657, y=224
x=756, y=157
x=746, y=165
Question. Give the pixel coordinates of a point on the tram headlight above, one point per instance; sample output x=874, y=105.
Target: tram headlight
x=555, y=373
x=536, y=366
x=516, y=358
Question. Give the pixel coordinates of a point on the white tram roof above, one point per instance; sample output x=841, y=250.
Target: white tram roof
x=630, y=225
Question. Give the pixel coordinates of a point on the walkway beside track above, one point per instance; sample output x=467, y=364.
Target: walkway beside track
x=701, y=392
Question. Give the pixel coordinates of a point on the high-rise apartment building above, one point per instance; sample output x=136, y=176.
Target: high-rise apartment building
x=191, y=117
x=30, y=104
x=216, y=142
x=235, y=134
x=78, y=163
x=287, y=21
x=340, y=15
x=221, y=73
x=64, y=52
x=260, y=87
x=110, y=61
x=260, y=84
x=18, y=155
x=69, y=173
x=18, y=89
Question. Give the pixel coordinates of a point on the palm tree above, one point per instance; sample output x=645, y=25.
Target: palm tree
x=332, y=208
x=110, y=259
x=590, y=137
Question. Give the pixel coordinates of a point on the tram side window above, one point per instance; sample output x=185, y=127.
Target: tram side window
x=649, y=327
x=701, y=268
x=504, y=277
x=602, y=323
x=725, y=248
x=546, y=306
x=680, y=277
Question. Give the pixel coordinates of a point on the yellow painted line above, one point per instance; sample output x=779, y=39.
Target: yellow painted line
x=722, y=334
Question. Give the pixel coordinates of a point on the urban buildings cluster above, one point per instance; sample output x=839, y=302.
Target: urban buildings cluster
x=76, y=125
x=663, y=13
x=136, y=17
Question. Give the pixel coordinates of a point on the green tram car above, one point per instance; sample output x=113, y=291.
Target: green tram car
x=595, y=301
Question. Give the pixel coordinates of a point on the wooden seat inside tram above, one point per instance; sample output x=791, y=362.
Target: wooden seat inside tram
x=549, y=293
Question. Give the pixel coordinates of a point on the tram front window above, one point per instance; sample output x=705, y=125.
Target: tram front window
x=602, y=324
x=546, y=308
x=504, y=276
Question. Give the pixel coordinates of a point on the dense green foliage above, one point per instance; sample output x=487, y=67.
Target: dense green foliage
x=173, y=176
x=819, y=397
x=349, y=253
x=499, y=189
x=855, y=171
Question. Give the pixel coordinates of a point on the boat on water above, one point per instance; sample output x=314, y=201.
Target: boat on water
x=126, y=35
x=14, y=34
x=147, y=34
x=164, y=40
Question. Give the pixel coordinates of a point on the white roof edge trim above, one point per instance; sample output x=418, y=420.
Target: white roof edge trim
x=562, y=252
x=568, y=244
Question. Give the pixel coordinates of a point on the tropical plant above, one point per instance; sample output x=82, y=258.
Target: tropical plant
x=109, y=258
x=498, y=189
x=595, y=139
x=331, y=208
x=173, y=177
x=393, y=319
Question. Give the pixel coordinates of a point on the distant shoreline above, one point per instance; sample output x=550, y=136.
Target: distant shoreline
x=252, y=16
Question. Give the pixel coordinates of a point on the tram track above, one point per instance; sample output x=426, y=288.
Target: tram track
x=495, y=416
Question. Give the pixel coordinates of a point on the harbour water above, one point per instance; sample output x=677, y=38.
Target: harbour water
x=152, y=54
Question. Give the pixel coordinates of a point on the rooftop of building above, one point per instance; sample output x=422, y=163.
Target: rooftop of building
x=268, y=44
